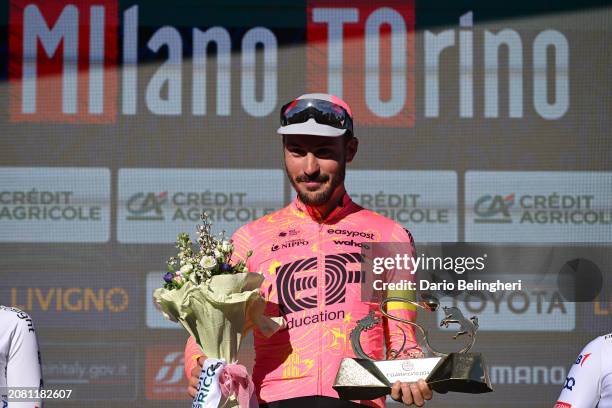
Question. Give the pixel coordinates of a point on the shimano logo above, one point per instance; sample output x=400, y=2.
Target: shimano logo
x=351, y=234
x=527, y=375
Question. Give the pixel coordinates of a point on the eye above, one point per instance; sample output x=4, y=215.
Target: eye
x=324, y=152
x=296, y=151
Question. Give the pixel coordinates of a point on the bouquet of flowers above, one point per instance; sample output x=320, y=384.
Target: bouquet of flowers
x=217, y=303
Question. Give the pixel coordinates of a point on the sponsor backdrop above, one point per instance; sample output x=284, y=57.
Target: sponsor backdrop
x=121, y=120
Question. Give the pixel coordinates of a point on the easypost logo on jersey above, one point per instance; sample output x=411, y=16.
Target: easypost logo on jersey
x=534, y=308
x=54, y=204
x=425, y=202
x=156, y=204
x=538, y=206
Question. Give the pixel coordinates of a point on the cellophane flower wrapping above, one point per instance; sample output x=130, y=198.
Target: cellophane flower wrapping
x=215, y=301
x=219, y=311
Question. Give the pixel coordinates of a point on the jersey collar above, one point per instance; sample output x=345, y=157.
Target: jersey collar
x=345, y=204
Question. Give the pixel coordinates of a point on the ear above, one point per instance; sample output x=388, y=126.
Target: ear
x=351, y=149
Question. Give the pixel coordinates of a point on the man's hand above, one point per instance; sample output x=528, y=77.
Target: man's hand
x=195, y=378
x=411, y=393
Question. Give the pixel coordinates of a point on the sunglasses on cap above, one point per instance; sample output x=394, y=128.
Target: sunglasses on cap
x=323, y=112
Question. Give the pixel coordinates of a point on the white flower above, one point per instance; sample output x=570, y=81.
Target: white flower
x=186, y=268
x=208, y=262
x=219, y=255
x=226, y=247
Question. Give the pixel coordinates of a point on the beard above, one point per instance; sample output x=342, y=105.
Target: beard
x=329, y=185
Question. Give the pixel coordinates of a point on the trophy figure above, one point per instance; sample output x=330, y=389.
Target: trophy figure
x=364, y=378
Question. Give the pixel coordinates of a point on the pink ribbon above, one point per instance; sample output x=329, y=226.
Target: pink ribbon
x=235, y=380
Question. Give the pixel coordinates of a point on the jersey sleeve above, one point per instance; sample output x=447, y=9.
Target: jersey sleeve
x=241, y=239
x=23, y=364
x=192, y=353
x=401, y=336
x=582, y=388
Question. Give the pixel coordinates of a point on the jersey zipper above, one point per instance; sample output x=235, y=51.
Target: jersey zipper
x=320, y=303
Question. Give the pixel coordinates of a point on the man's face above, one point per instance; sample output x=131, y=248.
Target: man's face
x=316, y=165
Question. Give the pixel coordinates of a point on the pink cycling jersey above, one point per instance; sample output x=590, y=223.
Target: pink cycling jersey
x=312, y=277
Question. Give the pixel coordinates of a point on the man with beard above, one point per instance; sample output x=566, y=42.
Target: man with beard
x=309, y=253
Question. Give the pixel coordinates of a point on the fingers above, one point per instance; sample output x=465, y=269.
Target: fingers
x=425, y=390
x=417, y=396
x=193, y=381
x=407, y=394
x=192, y=388
x=195, y=372
x=411, y=393
x=396, y=392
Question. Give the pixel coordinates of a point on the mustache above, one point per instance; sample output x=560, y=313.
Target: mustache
x=321, y=178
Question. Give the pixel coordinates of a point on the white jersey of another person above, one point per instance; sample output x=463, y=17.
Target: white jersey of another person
x=19, y=358
x=589, y=381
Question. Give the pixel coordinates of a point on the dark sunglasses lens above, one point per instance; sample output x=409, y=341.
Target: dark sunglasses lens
x=323, y=112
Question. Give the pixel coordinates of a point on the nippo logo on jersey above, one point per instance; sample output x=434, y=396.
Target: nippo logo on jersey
x=62, y=58
x=561, y=404
x=381, y=90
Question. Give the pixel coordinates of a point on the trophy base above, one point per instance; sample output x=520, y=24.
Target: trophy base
x=361, y=379
x=460, y=372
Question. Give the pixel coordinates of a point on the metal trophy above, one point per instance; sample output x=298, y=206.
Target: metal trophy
x=364, y=378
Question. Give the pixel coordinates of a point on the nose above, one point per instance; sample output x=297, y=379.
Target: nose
x=311, y=165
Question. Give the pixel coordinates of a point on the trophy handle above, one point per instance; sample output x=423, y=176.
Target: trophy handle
x=364, y=324
x=424, y=333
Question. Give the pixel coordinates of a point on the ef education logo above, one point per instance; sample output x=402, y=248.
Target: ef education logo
x=293, y=278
